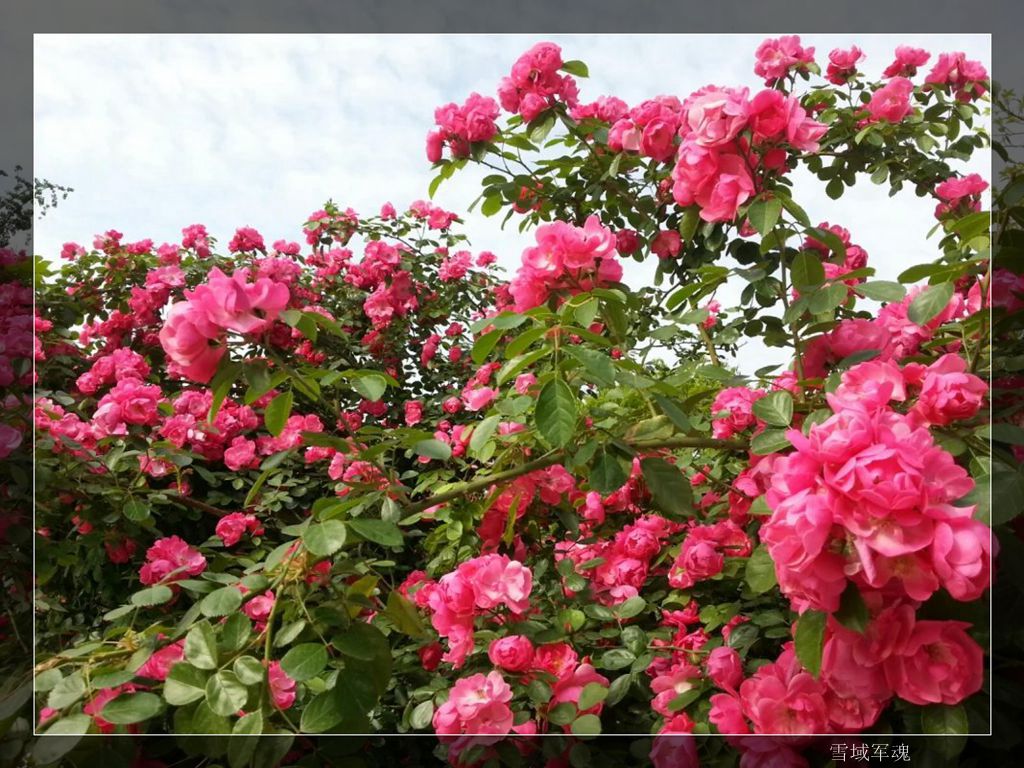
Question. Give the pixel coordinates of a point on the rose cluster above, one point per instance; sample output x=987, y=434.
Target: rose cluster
x=194, y=330
x=565, y=258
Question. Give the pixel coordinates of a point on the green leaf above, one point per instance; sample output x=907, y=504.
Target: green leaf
x=689, y=222
x=882, y=290
x=616, y=658
x=404, y=616
x=249, y=670
x=205, y=720
x=225, y=693
x=236, y=631
x=834, y=189
x=201, y=646
x=323, y=539
x=277, y=413
x=764, y=214
x=556, y=413
x=322, y=713
x=541, y=127
x=433, y=449
x=422, y=715
x=362, y=641
x=760, y=572
x=482, y=433
x=221, y=602
x=674, y=412
x=597, y=364
x=775, y=408
x=305, y=661
x=73, y=725
x=943, y=719
x=807, y=271
x=184, y=684
x=929, y=303
x=157, y=595
x=853, y=612
x=67, y=691
x=827, y=298
x=770, y=441
x=131, y=708
x=563, y=713
x=671, y=490
x=629, y=608
x=135, y=510
x=810, y=639
x=586, y=725
x=242, y=750
x=378, y=531
x=592, y=695
x=575, y=67
x=371, y=386
x=483, y=346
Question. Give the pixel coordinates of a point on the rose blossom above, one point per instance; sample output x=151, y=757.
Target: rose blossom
x=513, y=653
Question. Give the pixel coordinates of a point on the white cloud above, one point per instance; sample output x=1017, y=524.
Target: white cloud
x=156, y=132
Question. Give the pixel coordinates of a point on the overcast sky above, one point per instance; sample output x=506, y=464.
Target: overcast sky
x=156, y=132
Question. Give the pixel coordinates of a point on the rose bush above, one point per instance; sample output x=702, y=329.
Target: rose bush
x=364, y=483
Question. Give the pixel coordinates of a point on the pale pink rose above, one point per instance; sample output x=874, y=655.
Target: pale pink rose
x=715, y=116
x=908, y=59
x=480, y=398
x=869, y=386
x=413, y=413
x=237, y=305
x=477, y=704
x=940, y=664
x=775, y=57
x=513, y=653
x=523, y=383
x=961, y=554
x=674, y=682
x=733, y=411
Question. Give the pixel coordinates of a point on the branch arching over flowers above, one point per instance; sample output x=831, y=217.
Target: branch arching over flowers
x=554, y=457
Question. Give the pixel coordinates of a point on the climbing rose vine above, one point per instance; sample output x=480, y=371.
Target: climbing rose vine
x=363, y=482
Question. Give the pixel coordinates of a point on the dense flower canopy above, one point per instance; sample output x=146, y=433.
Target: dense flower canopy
x=368, y=484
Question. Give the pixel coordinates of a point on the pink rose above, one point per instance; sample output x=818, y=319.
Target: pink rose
x=961, y=555
x=715, y=116
x=940, y=664
x=477, y=704
x=186, y=338
x=891, y=102
x=172, y=559
x=725, y=667
x=513, y=653
x=159, y=664
x=282, y=687
x=241, y=454
x=727, y=714
x=948, y=392
x=908, y=59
